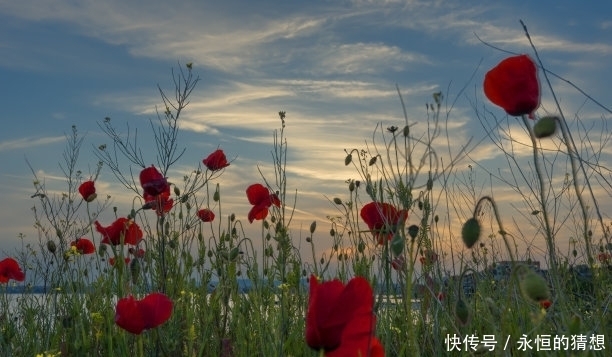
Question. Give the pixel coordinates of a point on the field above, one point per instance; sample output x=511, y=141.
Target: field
x=176, y=275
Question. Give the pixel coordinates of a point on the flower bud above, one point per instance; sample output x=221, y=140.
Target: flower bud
x=313, y=227
x=545, y=127
x=337, y=201
x=470, y=232
x=51, y=247
x=348, y=159
x=534, y=287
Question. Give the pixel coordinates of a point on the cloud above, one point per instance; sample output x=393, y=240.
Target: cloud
x=29, y=142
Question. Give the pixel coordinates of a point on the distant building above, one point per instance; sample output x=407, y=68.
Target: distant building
x=503, y=269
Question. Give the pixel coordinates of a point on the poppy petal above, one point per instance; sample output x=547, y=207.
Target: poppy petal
x=156, y=309
x=257, y=194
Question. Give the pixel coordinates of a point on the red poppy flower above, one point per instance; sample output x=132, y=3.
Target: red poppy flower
x=513, y=85
x=121, y=227
x=261, y=199
x=153, y=182
x=136, y=316
x=9, y=269
x=604, y=257
x=429, y=257
x=88, y=191
x=112, y=260
x=383, y=219
x=161, y=203
x=206, y=215
x=545, y=304
x=84, y=246
x=339, y=319
x=216, y=161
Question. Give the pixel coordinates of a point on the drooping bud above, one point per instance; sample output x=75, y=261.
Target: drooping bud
x=337, y=201
x=372, y=160
x=470, y=232
x=348, y=159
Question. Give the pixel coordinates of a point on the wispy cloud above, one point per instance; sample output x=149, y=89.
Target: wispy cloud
x=29, y=142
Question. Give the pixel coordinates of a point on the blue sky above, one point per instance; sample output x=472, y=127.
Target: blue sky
x=331, y=65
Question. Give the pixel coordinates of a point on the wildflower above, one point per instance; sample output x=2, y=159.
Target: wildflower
x=88, y=191
x=206, y=215
x=112, y=261
x=161, y=203
x=121, y=228
x=9, y=269
x=340, y=320
x=428, y=258
x=153, y=182
x=83, y=246
x=604, y=257
x=513, y=85
x=216, y=161
x=545, y=304
x=136, y=316
x=398, y=263
x=261, y=199
x=383, y=219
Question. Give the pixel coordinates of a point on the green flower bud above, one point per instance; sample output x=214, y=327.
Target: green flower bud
x=534, y=287
x=470, y=232
x=348, y=159
x=545, y=127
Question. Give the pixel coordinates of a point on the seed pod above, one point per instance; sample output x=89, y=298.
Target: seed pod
x=545, y=127
x=470, y=232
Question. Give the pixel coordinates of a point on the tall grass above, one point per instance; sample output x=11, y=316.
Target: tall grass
x=432, y=297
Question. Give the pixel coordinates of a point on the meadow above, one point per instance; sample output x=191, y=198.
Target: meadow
x=163, y=278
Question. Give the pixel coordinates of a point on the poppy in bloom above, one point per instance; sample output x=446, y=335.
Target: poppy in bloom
x=161, y=203
x=206, y=215
x=84, y=246
x=261, y=199
x=383, y=219
x=153, y=182
x=216, y=161
x=545, y=304
x=9, y=269
x=122, y=227
x=340, y=320
x=88, y=191
x=513, y=85
x=136, y=316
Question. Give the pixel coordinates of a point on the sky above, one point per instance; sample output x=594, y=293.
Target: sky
x=333, y=66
